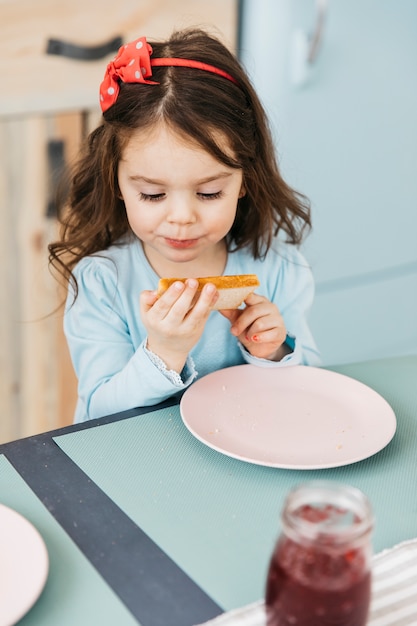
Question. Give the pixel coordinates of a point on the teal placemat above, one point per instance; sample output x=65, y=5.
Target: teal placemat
x=74, y=592
x=218, y=517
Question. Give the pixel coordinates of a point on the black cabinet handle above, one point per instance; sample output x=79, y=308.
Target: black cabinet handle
x=83, y=53
x=56, y=176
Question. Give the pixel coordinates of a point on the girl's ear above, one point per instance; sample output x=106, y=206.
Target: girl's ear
x=242, y=191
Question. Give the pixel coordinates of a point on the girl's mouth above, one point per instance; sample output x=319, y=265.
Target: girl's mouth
x=181, y=243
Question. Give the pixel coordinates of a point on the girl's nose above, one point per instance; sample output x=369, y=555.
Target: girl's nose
x=181, y=212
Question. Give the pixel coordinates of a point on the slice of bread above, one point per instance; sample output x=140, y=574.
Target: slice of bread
x=233, y=290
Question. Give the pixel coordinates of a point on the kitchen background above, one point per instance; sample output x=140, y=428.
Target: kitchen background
x=346, y=130
x=345, y=124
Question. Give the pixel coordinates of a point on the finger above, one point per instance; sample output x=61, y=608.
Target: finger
x=249, y=316
x=230, y=314
x=172, y=294
x=267, y=327
x=177, y=299
x=254, y=298
x=274, y=336
x=206, y=300
x=147, y=299
x=182, y=298
x=263, y=315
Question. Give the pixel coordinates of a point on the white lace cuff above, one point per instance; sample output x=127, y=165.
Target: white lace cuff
x=293, y=358
x=179, y=380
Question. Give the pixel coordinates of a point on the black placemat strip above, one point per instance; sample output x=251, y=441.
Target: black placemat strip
x=149, y=583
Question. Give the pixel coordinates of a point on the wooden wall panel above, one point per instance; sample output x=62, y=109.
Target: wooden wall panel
x=9, y=292
x=39, y=82
x=38, y=383
x=54, y=98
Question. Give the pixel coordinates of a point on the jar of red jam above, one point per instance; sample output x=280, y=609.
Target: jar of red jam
x=320, y=570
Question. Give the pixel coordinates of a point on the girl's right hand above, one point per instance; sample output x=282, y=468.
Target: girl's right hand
x=173, y=323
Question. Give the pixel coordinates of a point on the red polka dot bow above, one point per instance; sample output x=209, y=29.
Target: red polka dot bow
x=131, y=65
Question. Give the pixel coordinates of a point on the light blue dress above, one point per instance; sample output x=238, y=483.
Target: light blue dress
x=106, y=337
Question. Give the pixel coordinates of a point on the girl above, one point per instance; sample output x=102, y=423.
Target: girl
x=180, y=179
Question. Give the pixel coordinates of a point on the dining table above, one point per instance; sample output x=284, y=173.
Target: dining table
x=146, y=524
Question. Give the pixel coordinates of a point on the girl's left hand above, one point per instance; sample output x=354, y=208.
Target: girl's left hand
x=259, y=327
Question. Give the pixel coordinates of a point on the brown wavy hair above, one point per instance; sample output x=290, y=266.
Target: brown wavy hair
x=202, y=107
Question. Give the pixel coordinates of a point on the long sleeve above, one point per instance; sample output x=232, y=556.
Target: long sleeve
x=107, y=339
x=286, y=279
x=113, y=373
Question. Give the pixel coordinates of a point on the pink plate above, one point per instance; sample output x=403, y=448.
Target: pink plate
x=24, y=565
x=296, y=417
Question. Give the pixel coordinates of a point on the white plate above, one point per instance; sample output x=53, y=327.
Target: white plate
x=24, y=566
x=296, y=417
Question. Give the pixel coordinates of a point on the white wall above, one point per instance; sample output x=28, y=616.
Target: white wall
x=347, y=138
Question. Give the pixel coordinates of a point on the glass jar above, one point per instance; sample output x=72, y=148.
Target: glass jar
x=320, y=570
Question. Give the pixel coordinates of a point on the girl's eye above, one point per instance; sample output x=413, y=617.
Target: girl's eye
x=211, y=196
x=151, y=197
x=155, y=197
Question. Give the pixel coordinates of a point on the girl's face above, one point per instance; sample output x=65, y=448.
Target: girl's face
x=180, y=202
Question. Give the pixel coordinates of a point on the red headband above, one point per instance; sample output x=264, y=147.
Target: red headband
x=133, y=65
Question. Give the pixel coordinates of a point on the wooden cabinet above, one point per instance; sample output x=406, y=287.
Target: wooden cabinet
x=48, y=103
